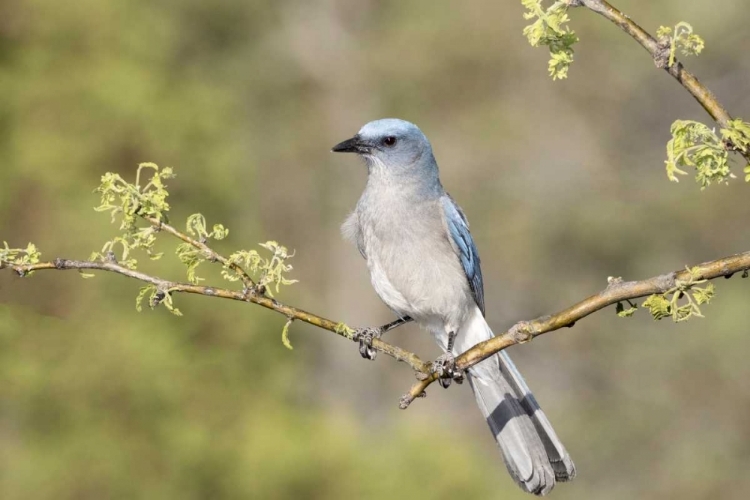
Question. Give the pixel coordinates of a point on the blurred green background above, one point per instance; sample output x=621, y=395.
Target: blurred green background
x=563, y=182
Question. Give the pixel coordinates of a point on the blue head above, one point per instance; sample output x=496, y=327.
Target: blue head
x=392, y=147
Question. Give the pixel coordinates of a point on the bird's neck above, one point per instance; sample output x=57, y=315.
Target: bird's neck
x=402, y=186
x=418, y=180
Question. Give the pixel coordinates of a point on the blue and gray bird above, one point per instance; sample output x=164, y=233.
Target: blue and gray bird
x=424, y=265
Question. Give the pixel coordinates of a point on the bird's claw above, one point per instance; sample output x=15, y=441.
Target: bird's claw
x=445, y=368
x=365, y=337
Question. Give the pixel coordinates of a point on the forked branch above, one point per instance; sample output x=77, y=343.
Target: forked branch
x=660, y=54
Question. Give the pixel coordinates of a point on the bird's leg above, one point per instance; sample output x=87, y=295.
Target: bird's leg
x=445, y=365
x=367, y=334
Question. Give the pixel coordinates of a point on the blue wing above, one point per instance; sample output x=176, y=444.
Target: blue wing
x=463, y=244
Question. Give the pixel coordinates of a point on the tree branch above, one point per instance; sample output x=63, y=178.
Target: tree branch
x=521, y=332
x=247, y=295
x=660, y=55
x=616, y=291
x=210, y=253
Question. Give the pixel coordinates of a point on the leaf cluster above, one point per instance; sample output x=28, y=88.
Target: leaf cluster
x=681, y=302
x=548, y=29
x=156, y=297
x=127, y=202
x=271, y=270
x=680, y=37
x=131, y=202
x=19, y=256
x=193, y=256
x=695, y=145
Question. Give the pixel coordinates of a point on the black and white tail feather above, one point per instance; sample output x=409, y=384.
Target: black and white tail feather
x=533, y=454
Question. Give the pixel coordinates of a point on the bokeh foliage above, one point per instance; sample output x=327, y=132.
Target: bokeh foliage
x=563, y=183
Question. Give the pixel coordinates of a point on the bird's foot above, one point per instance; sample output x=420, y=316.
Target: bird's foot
x=445, y=368
x=365, y=337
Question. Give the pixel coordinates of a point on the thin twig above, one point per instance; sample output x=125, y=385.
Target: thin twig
x=173, y=286
x=660, y=54
x=208, y=251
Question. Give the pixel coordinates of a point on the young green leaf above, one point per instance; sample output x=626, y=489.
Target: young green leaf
x=548, y=30
x=658, y=306
x=285, y=334
x=19, y=256
x=680, y=37
x=695, y=145
x=625, y=313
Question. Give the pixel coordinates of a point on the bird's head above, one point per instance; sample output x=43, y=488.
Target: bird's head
x=391, y=146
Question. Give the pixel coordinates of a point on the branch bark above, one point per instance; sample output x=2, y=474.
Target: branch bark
x=660, y=55
x=617, y=291
x=210, y=253
x=247, y=295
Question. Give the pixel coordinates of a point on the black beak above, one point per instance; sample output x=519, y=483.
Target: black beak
x=353, y=145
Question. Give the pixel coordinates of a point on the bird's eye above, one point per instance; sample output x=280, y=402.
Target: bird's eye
x=389, y=141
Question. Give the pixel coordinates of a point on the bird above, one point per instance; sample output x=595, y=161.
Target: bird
x=424, y=265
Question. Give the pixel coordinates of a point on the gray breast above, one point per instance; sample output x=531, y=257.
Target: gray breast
x=413, y=267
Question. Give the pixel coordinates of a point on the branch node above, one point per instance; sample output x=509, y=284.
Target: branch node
x=667, y=281
x=522, y=332
x=661, y=54
x=249, y=289
x=613, y=281
x=59, y=263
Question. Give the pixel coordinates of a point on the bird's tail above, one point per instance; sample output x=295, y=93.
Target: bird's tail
x=534, y=455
